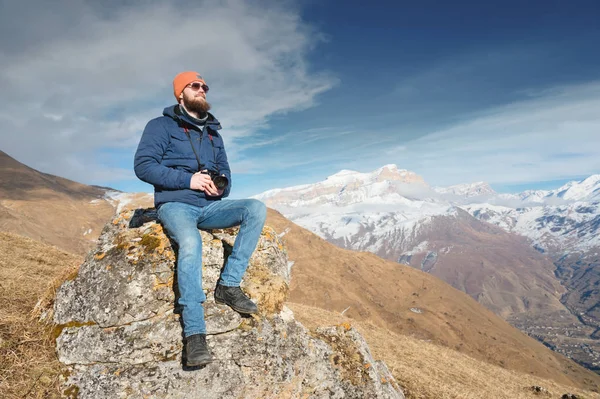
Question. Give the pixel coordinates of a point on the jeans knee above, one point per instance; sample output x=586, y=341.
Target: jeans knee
x=190, y=245
x=257, y=209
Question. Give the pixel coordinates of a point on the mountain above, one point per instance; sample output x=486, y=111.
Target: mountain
x=586, y=190
x=393, y=213
x=563, y=224
x=467, y=190
x=412, y=303
x=445, y=231
x=54, y=210
x=19, y=182
x=567, y=218
x=347, y=187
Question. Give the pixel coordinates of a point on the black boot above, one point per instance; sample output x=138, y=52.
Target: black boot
x=196, y=351
x=235, y=298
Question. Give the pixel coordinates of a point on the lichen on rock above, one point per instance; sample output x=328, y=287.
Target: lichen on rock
x=120, y=331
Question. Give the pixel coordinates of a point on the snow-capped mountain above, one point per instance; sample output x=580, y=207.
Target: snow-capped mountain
x=373, y=204
x=467, y=190
x=393, y=213
x=357, y=208
x=509, y=251
x=587, y=190
x=552, y=228
x=363, y=211
x=563, y=220
x=348, y=187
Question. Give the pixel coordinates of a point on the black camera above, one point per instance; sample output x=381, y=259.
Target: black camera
x=220, y=181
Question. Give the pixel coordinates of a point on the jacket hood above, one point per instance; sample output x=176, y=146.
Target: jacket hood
x=174, y=112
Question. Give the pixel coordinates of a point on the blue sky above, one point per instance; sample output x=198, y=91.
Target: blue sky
x=503, y=92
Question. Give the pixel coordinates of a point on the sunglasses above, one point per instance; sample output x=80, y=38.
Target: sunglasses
x=197, y=85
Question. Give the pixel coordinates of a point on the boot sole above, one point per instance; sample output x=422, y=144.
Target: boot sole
x=239, y=310
x=199, y=363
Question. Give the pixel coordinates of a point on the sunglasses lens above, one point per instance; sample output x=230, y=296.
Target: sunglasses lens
x=197, y=85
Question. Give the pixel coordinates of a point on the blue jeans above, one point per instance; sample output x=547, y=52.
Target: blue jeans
x=181, y=221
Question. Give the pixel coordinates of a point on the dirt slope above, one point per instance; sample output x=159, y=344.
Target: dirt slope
x=427, y=370
x=50, y=209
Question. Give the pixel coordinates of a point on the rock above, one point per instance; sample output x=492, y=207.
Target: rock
x=119, y=331
x=538, y=390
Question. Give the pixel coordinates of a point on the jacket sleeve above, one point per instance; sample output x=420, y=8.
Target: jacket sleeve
x=147, y=162
x=224, y=169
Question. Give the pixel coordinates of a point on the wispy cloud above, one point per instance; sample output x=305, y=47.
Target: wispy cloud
x=518, y=142
x=84, y=79
x=550, y=135
x=288, y=150
x=296, y=137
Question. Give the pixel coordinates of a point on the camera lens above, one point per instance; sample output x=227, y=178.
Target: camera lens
x=220, y=182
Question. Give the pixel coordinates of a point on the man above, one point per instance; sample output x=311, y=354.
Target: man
x=182, y=155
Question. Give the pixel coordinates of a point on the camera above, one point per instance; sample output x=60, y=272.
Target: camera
x=220, y=181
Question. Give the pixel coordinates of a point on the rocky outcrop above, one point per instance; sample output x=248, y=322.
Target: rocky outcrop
x=119, y=331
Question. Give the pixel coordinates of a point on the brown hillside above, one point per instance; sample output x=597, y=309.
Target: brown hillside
x=369, y=288
x=50, y=209
x=426, y=370
x=19, y=182
x=501, y=270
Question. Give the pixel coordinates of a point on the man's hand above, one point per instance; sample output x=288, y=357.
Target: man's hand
x=203, y=182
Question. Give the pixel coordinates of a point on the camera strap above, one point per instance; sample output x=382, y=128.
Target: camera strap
x=200, y=164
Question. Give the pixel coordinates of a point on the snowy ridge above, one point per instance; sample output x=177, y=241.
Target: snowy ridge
x=332, y=188
x=360, y=210
x=467, y=190
x=568, y=227
x=565, y=219
x=367, y=230
x=349, y=176
x=363, y=210
x=587, y=190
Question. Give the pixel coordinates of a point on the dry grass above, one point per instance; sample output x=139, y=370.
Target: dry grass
x=426, y=370
x=29, y=270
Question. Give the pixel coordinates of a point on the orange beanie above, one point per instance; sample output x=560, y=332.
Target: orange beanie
x=183, y=79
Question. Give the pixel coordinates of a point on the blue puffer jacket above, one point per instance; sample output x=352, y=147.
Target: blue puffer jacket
x=165, y=158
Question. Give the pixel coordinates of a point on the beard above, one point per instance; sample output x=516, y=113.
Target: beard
x=198, y=105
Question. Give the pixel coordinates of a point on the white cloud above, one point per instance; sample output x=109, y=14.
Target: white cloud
x=552, y=136
x=83, y=80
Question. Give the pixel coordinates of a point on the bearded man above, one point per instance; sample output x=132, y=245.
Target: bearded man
x=182, y=155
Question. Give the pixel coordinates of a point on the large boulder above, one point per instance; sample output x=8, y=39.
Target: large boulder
x=120, y=336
